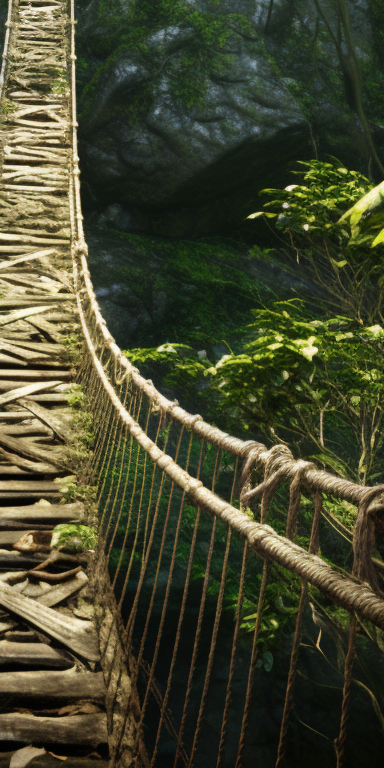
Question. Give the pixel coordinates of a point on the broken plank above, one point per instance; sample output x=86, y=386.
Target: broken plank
x=28, y=257
x=82, y=730
x=34, y=467
x=59, y=429
x=38, y=655
x=20, y=314
x=78, y=635
x=30, y=389
x=4, y=358
x=8, y=538
x=61, y=592
x=43, y=325
x=19, y=351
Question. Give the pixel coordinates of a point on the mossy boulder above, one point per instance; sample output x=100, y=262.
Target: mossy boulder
x=183, y=115
x=188, y=108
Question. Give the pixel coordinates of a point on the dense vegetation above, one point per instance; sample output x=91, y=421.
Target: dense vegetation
x=307, y=372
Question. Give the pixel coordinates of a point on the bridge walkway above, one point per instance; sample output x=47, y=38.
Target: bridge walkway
x=156, y=649
x=52, y=690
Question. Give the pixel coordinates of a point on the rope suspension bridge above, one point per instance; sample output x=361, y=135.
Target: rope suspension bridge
x=154, y=650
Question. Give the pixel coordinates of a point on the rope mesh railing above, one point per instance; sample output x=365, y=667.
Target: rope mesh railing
x=204, y=585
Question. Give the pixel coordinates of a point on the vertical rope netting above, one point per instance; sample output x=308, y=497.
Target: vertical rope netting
x=224, y=724
x=144, y=564
x=182, y=611
x=165, y=601
x=117, y=460
x=121, y=450
x=345, y=707
x=133, y=548
x=252, y=666
x=160, y=557
x=196, y=642
x=124, y=490
x=199, y=619
x=266, y=489
x=215, y=630
x=295, y=497
x=211, y=655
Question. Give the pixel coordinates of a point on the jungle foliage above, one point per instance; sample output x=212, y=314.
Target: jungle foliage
x=309, y=373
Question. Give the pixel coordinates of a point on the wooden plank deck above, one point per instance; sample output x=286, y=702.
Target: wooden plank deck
x=53, y=696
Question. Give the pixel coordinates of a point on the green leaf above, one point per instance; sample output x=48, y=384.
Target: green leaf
x=256, y=215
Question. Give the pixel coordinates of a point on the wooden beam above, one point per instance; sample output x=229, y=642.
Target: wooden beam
x=38, y=655
x=80, y=730
x=67, y=686
x=42, y=513
x=78, y=635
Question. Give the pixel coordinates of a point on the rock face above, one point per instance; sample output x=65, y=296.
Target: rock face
x=188, y=109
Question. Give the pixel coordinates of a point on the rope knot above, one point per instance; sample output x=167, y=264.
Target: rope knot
x=364, y=535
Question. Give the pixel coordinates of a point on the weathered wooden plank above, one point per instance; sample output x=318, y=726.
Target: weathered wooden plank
x=37, y=467
x=32, y=655
x=9, y=373
x=14, y=300
x=30, y=450
x=35, y=428
x=29, y=238
x=12, y=525
x=37, y=486
x=30, y=389
x=12, y=559
x=10, y=470
x=34, y=346
x=78, y=635
x=26, y=355
x=42, y=513
x=8, y=538
x=61, y=592
x=66, y=686
x=21, y=314
x=28, y=257
x=58, y=427
x=4, y=358
x=53, y=397
x=48, y=761
x=6, y=496
x=81, y=730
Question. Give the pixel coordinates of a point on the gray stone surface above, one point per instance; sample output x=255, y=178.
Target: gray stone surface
x=187, y=169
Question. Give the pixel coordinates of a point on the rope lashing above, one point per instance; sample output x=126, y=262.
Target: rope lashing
x=364, y=535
